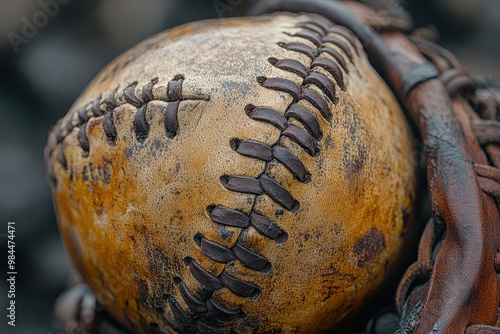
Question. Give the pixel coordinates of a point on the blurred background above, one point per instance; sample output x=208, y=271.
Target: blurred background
x=50, y=50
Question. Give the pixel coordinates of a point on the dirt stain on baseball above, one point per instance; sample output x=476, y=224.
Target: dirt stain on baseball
x=369, y=247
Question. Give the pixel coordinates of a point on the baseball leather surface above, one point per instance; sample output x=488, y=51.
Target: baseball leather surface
x=239, y=175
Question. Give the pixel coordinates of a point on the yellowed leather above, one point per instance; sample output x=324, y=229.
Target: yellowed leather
x=132, y=212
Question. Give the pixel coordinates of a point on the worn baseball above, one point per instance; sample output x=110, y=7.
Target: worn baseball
x=235, y=176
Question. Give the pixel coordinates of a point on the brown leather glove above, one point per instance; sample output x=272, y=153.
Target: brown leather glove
x=77, y=312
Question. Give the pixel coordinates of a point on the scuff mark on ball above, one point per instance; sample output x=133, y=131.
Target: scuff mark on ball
x=369, y=247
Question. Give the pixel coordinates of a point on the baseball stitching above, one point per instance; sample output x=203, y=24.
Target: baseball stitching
x=204, y=309
x=320, y=34
x=105, y=107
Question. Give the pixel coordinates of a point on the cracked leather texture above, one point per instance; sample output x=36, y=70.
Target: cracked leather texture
x=142, y=198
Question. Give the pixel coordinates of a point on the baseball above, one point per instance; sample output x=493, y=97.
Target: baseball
x=247, y=175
